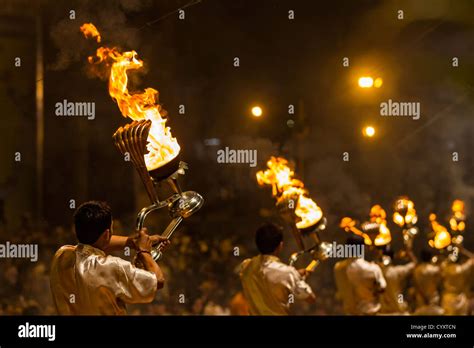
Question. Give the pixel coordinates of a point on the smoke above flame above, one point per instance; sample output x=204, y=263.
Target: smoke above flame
x=162, y=147
x=285, y=187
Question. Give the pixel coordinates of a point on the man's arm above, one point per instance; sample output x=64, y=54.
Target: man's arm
x=311, y=296
x=118, y=243
x=380, y=282
x=466, y=266
x=144, y=244
x=296, y=282
x=405, y=270
x=411, y=256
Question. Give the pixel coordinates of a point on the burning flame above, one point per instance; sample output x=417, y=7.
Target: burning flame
x=384, y=237
x=349, y=225
x=162, y=147
x=284, y=187
x=308, y=211
x=378, y=215
x=405, y=213
x=90, y=31
x=442, y=237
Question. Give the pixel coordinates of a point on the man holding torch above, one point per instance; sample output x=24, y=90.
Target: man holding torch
x=269, y=285
x=427, y=281
x=456, y=285
x=344, y=288
x=393, y=298
x=368, y=282
x=86, y=280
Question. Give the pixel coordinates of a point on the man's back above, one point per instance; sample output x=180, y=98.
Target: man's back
x=456, y=287
x=268, y=284
x=86, y=281
x=456, y=277
x=396, y=277
x=367, y=280
x=427, y=279
x=345, y=291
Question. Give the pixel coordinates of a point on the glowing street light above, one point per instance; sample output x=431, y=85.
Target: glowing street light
x=369, y=82
x=366, y=82
x=369, y=131
x=378, y=82
x=257, y=111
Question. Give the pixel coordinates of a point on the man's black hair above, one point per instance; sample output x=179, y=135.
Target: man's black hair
x=355, y=240
x=388, y=251
x=268, y=238
x=91, y=219
x=426, y=255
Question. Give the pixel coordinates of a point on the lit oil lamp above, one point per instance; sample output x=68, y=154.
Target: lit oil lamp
x=405, y=216
x=304, y=216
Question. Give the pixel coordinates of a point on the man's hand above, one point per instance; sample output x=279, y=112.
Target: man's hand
x=304, y=272
x=144, y=237
x=143, y=242
x=157, y=239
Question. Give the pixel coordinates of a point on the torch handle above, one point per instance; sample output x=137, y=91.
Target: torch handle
x=312, y=265
x=156, y=250
x=142, y=215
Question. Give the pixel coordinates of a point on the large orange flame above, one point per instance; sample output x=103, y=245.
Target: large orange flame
x=284, y=186
x=162, y=147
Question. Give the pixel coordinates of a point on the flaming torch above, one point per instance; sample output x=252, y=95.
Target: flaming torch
x=441, y=238
x=303, y=214
x=405, y=216
x=375, y=232
x=349, y=225
x=457, y=224
x=147, y=140
x=377, y=226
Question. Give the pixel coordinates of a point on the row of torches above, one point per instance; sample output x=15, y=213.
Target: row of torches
x=306, y=218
